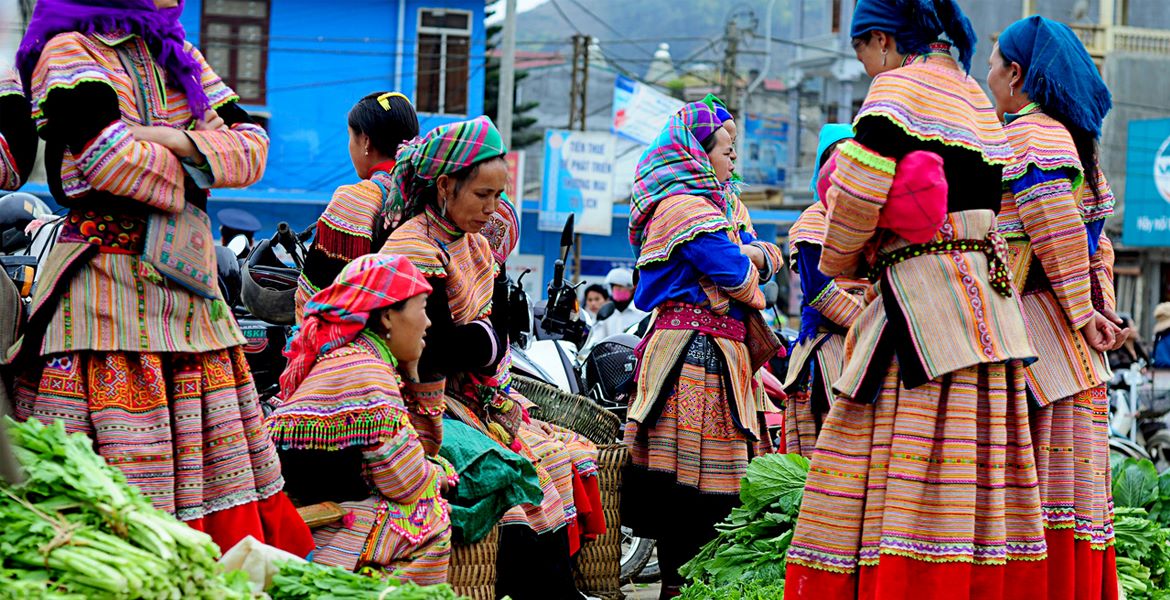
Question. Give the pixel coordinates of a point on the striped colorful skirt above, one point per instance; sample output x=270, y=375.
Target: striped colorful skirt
x=1072, y=462
x=364, y=534
x=693, y=453
x=810, y=392
x=185, y=429
x=927, y=493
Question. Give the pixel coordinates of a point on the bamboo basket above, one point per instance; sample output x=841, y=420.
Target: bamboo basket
x=473, y=567
x=599, y=562
x=571, y=411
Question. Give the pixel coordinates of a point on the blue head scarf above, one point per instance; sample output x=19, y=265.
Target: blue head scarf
x=916, y=24
x=831, y=133
x=1059, y=74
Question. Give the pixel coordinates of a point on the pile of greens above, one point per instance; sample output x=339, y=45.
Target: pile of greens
x=1140, y=520
x=308, y=581
x=76, y=529
x=746, y=560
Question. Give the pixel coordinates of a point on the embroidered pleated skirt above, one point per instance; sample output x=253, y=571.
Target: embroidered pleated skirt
x=687, y=459
x=810, y=391
x=926, y=493
x=185, y=429
x=1072, y=460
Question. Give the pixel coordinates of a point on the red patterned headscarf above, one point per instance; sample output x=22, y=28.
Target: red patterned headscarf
x=336, y=315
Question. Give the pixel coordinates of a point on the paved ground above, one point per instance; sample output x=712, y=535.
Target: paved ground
x=642, y=591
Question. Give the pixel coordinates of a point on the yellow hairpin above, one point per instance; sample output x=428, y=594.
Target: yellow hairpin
x=384, y=99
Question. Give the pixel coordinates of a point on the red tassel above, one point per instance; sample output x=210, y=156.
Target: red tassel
x=348, y=519
x=524, y=414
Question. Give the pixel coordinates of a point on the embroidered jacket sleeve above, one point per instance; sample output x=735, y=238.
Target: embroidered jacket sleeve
x=18, y=135
x=1101, y=263
x=236, y=156
x=453, y=348
x=1051, y=219
x=720, y=259
x=399, y=468
x=79, y=109
x=860, y=185
x=822, y=293
x=426, y=403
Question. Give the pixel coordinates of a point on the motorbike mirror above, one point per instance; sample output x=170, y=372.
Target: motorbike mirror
x=567, y=238
x=520, y=279
x=771, y=293
x=238, y=245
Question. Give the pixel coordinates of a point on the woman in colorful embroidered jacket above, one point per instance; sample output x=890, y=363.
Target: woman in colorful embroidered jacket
x=1055, y=204
x=18, y=134
x=345, y=426
x=128, y=339
x=356, y=220
x=829, y=307
x=451, y=183
x=695, y=420
x=923, y=483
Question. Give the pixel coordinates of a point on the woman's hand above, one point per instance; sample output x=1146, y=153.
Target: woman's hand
x=1125, y=331
x=211, y=121
x=1101, y=333
x=755, y=255
x=172, y=139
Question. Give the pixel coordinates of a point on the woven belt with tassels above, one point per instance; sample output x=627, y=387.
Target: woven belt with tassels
x=994, y=246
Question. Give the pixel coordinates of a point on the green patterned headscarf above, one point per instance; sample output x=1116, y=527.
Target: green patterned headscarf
x=445, y=150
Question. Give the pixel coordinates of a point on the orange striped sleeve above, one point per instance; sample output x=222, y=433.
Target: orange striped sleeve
x=859, y=189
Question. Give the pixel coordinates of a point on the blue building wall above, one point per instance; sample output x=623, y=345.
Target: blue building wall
x=322, y=58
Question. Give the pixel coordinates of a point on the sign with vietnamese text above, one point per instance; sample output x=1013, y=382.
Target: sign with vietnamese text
x=578, y=179
x=1147, y=187
x=640, y=111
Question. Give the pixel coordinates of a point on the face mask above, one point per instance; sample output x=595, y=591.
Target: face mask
x=621, y=294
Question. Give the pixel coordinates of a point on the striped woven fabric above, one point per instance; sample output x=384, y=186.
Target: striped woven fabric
x=364, y=543
x=1067, y=364
x=353, y=397
x=186, y=429
x=677, y=220
x=955, y=319
x=114, y=162
x=675, y=164
x=1102, y=265
x=931, y=99
x=345, y=230
x=1044, y=218
x=809, y=228
x=841, y=303
x=1072, y=462
x=465, y=261
x=111, y=304
x=105, y=294
x=697, y=435
x=944, y=473
x=860, y=184
x=822, y=358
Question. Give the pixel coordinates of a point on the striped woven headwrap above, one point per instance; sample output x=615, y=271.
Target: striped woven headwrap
x=335, y=315
x=443, y=151
x=676, y=164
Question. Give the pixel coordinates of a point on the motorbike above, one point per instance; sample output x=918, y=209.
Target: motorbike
x=1139, y=416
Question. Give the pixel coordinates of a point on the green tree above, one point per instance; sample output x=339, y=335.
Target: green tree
x=522, y=132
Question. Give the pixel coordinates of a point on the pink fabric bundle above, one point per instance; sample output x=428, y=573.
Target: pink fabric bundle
x=916, y=205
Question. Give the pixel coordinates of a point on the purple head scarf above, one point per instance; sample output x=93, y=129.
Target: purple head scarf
x=159, y=27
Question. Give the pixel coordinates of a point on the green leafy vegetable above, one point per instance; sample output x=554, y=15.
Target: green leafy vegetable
x=75, y=529
x=1135, y=483
x=308, y=581
x=753, y=541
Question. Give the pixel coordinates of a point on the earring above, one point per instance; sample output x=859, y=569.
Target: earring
x=1011, y=92
x=884, y=56
x=387, y=336
x=367, y=151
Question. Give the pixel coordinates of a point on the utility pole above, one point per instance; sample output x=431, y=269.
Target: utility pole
x=727, y=81
x=507, y=97
x=578, y=93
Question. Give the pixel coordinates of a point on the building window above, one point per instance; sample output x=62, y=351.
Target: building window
x=235, y=43
x=444, y=53
x=836, y=16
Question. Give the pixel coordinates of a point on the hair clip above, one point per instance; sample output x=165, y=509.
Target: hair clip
x=384, y=99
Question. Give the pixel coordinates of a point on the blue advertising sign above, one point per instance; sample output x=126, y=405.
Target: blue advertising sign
x=578, y=179
x=1147, y=184
x=765, y=149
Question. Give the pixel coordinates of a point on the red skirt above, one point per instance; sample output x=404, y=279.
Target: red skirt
x=185, y=429
x=1072, y=460
x=928, y=493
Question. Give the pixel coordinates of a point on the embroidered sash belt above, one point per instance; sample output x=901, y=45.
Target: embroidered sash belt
x=994, y=246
